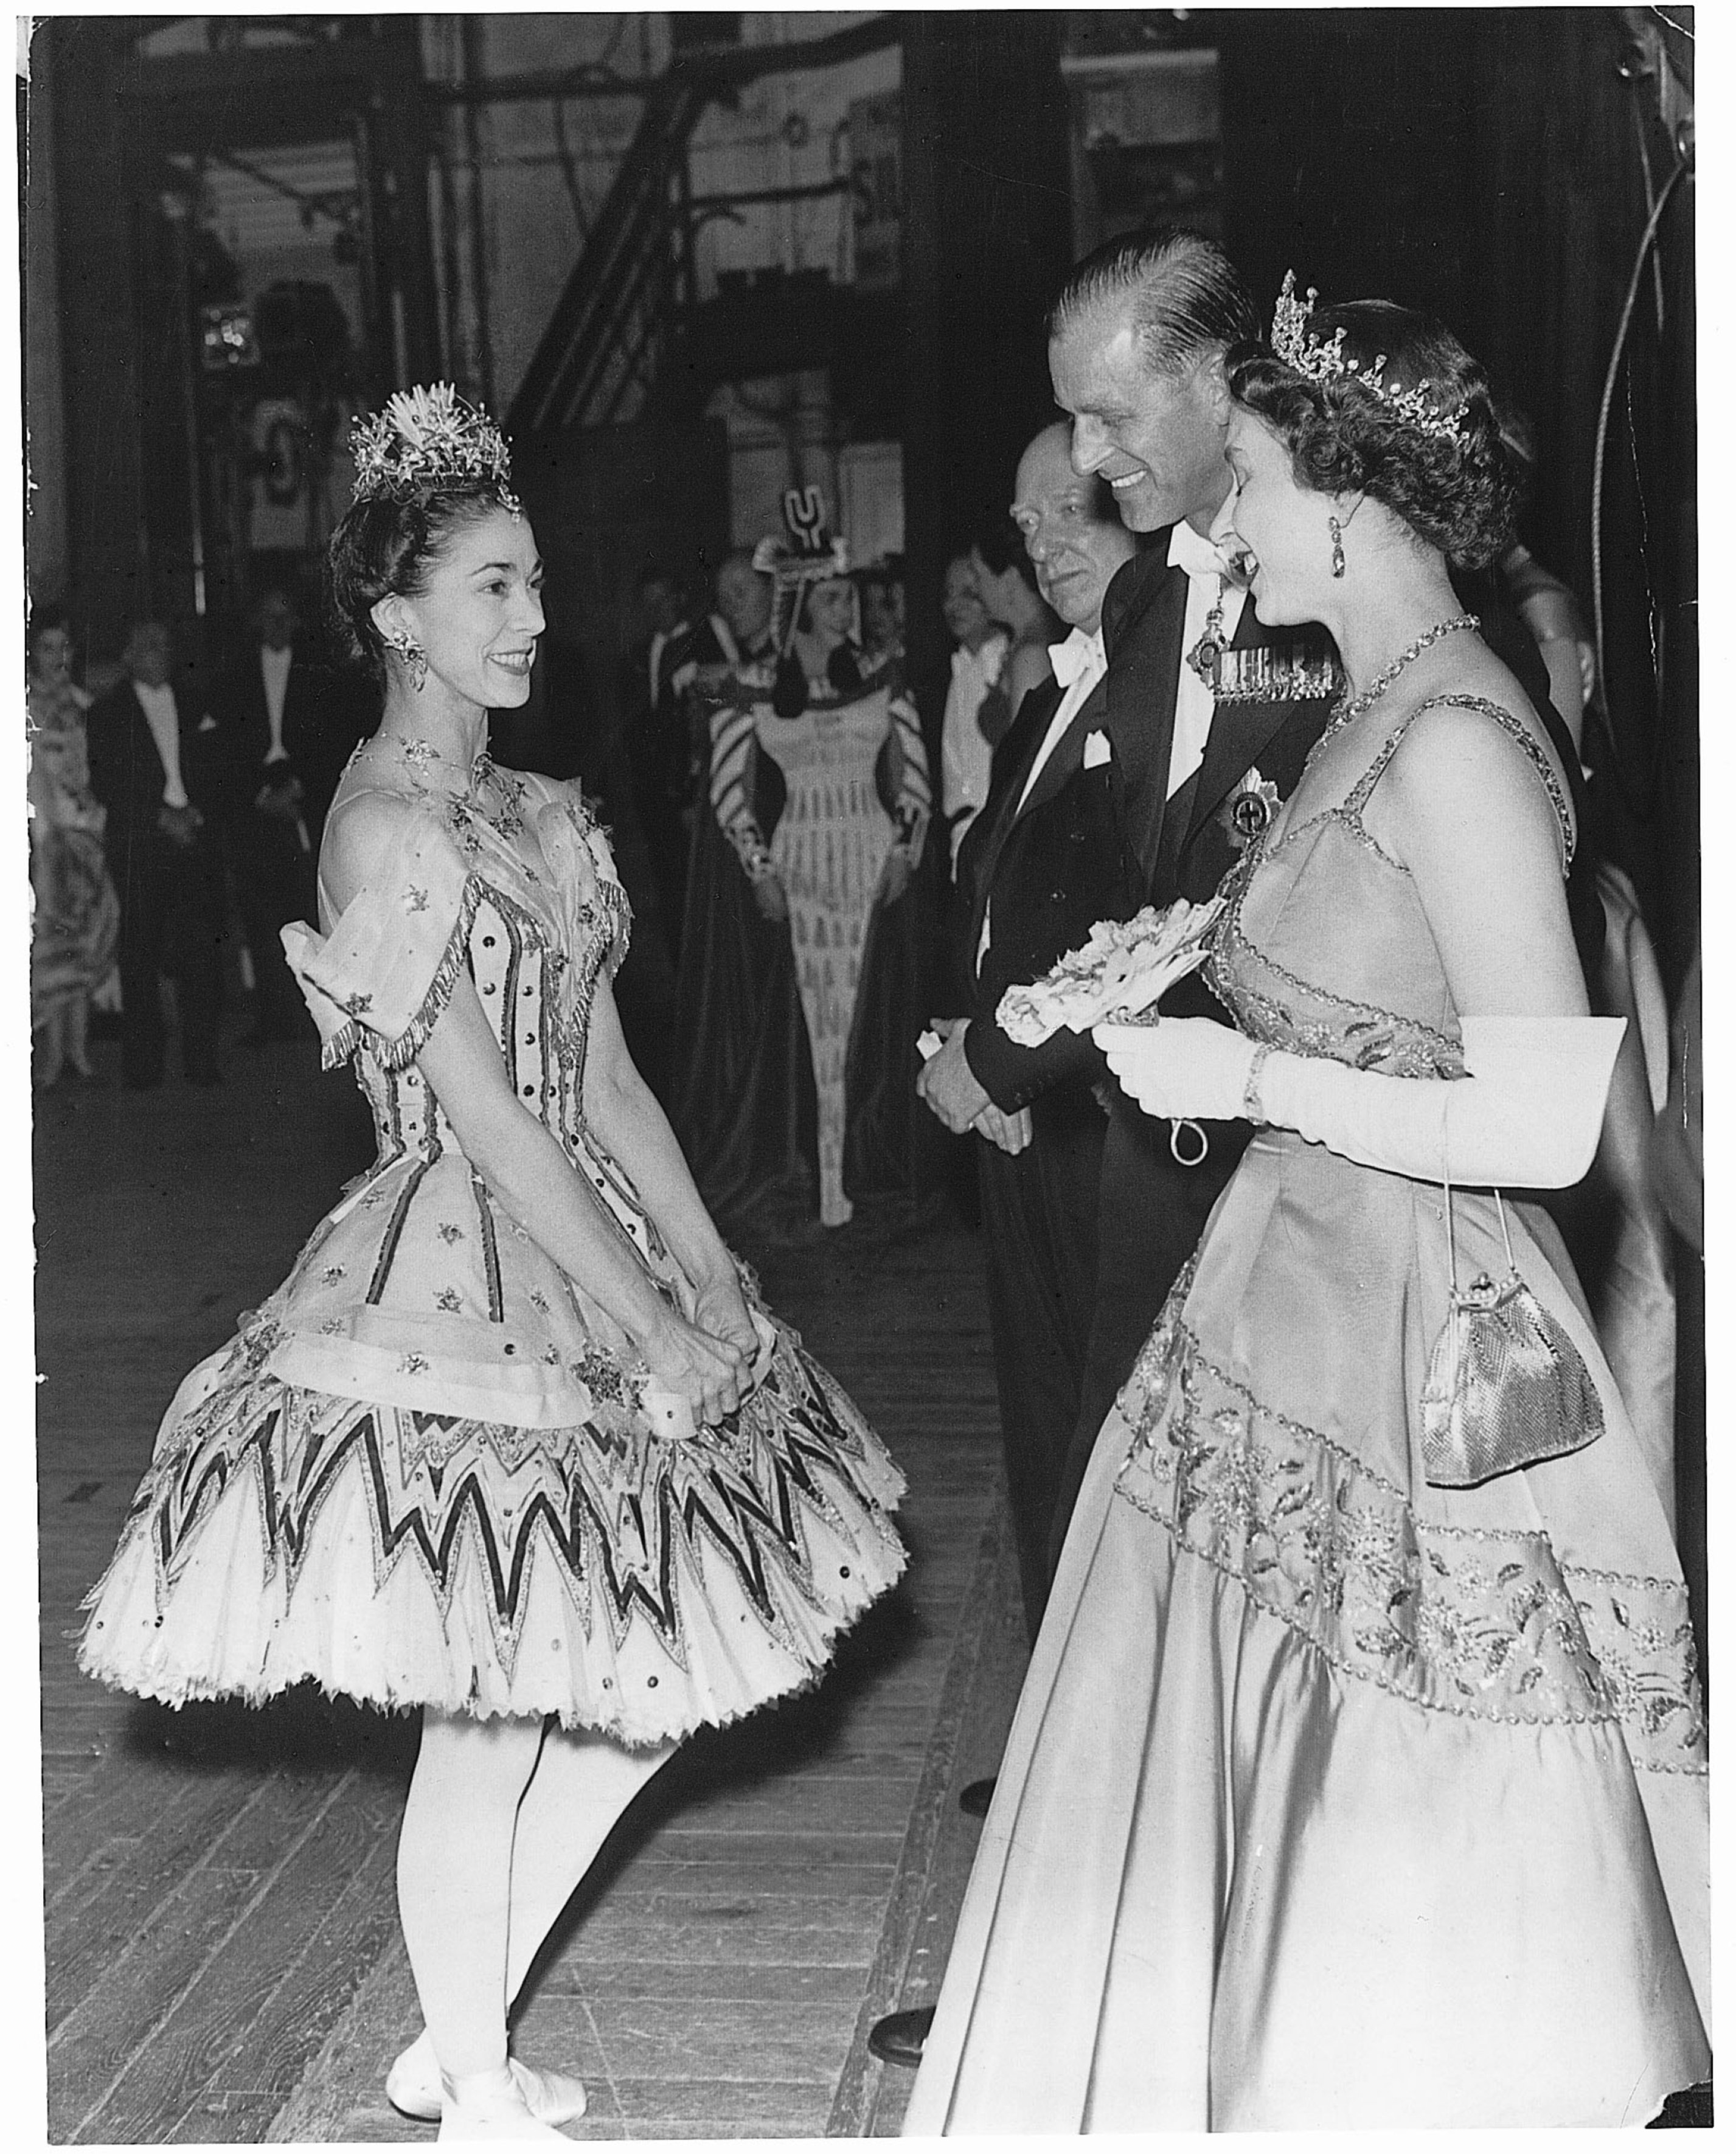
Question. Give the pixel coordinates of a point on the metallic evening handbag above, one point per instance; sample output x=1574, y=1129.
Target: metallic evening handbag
x=1506, y=1385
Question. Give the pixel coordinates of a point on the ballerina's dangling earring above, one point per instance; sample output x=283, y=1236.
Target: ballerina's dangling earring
x=1337, y=530
x=417, y=659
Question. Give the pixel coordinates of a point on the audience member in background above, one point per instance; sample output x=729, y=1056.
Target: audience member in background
x=656, y=739
x=736, y=629
x=1546, y=605
x=75, y=928
x=154, y=767
x=820, y=781
x=882, y=589
x=1007, y=577
x=967, y=746
x=286, y=730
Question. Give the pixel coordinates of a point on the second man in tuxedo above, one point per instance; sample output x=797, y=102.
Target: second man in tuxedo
x=287, y=731
x=154, y=767
x=1042, y=862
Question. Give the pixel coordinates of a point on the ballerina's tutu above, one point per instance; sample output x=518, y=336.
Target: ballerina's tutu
x=429, y=1470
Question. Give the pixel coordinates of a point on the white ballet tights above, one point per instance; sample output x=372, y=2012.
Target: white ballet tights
x=502, y=1822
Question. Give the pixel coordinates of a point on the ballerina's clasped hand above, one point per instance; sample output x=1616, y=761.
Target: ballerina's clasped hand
x=1528, y=1111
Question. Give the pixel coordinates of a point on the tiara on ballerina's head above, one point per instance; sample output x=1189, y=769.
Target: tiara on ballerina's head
x=429, y=441
x=1324, y=359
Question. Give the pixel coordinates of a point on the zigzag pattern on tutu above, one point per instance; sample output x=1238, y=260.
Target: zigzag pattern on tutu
x=698, y=1492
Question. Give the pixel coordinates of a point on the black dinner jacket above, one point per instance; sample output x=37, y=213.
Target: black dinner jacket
x=1185, y=846
x=1145, y=848
x=320, y=729
x=1051, y=867
x=126, y=770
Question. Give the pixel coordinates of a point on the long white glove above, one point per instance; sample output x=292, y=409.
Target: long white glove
x=1528, y=1113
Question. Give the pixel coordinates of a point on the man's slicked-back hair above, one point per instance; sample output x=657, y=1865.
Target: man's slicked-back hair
x=1188, y=299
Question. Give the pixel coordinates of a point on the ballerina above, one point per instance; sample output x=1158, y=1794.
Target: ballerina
x=516, y=1443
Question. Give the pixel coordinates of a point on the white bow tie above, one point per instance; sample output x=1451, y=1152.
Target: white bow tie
x=1197, y=556
x=1080, y=655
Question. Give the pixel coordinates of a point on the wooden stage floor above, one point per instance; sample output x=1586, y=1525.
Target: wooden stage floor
x=222, y=1956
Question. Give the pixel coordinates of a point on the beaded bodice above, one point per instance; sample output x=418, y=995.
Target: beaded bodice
x=421, y=1287
x=1323, y=946
x=537, y=914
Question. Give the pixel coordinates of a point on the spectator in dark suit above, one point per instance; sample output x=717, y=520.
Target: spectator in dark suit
x=655, y=735
x=287, y=728
x=155, y=768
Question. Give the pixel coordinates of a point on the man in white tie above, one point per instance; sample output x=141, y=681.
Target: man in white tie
x=1039, y=865
x=288, y=727
x=1137, y=342
x=154, y=767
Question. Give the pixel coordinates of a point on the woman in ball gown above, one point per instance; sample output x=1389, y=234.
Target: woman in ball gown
x=76, y=928
x=820, y=781
x=516, y=1443
x=1358, y=1775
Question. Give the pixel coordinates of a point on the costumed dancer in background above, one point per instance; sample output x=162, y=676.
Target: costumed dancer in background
x=75, y=931
x=845, y=744
x=516, y=1443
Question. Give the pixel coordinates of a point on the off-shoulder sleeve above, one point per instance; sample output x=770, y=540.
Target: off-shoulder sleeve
x=386, y=971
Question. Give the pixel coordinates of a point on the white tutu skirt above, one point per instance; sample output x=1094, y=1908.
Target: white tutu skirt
x=632, y=1582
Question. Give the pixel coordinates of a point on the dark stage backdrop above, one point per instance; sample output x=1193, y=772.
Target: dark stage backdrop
x=1489, y=164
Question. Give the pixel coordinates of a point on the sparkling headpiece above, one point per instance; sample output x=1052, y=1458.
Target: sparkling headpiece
x=429, y=441
x=808, y=556
x=1324, y=359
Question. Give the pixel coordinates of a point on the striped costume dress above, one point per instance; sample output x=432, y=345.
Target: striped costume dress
x=842, y=759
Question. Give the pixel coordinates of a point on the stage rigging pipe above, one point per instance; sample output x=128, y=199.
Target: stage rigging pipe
x=1599, y=451
x=470, y=43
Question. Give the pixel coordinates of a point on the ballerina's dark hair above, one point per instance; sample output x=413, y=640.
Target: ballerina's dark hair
x=1457, y=485
x=384, y=546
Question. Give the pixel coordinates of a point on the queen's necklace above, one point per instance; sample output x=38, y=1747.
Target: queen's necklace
x=1348, y=713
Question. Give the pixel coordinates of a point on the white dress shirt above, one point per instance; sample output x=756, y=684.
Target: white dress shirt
x=1079, y=664
x=966, y=756
x=164, y=720
x=1202, y=559
x=274, y=673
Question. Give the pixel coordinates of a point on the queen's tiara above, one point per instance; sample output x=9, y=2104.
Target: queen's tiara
x=1324, y=358
x=429, y=441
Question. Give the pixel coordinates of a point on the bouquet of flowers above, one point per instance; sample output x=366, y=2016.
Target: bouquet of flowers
x=1124, y=968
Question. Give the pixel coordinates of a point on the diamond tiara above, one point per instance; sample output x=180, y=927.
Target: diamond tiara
x=429, y=441
x=1324, y=358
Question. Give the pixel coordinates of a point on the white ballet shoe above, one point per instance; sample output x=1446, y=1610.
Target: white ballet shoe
x=490, y=2105
x=412, y=2087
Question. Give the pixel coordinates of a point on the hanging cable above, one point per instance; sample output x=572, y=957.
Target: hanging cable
x=1600, y=450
